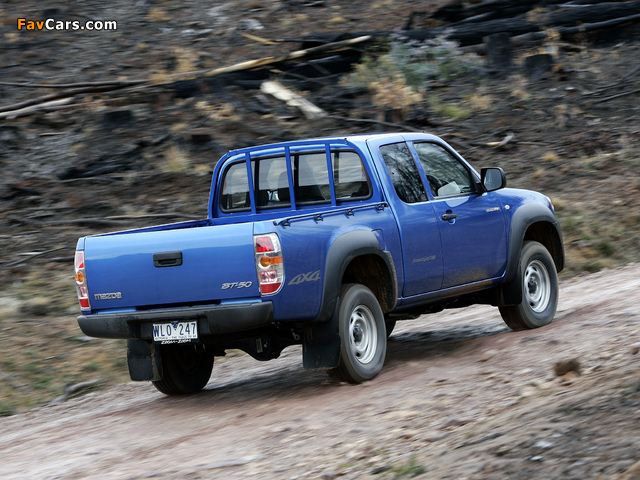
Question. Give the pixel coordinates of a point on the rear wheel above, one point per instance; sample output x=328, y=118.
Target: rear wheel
x=185, y=369
x=363, y=335
x=539, y=281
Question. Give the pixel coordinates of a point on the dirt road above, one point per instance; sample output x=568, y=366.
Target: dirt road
x=460, y=396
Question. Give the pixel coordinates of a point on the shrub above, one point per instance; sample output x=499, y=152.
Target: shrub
x=408, y=68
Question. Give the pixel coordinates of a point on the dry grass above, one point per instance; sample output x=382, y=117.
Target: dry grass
x=44, y=350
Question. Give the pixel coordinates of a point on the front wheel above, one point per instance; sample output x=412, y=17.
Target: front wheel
x=539, y=281
x=185, y=369
x=363, y=335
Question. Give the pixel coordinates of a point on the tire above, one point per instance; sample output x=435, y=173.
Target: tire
x=539, y=279
x=363, y=335
x=184, y=369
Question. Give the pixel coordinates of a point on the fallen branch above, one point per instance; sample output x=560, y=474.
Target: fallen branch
x=292, y=99
x=115, y=83
x=47, y=106
x=34, y=255
x=100, y=87
x=510, y=136
x=56, y=96
x=74, y=389
x=613, y=97
x=297, y=54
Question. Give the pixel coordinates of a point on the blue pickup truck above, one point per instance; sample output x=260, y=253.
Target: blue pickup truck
x=323, y=243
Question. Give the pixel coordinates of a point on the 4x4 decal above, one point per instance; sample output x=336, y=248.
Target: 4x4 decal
x=305, y=277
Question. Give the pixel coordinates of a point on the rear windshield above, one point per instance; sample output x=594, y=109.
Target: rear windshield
x=309, y=183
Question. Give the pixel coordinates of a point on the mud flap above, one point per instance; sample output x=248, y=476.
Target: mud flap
x=509, y=293
x=321, y=345
x=144, y=361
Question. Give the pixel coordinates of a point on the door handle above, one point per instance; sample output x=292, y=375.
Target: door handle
x=167, y=259
x=449, y=216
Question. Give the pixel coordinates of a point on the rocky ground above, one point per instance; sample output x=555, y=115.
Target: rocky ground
x=142, y=155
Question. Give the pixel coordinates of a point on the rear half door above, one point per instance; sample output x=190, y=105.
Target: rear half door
x=471, y=221
x=417, y=221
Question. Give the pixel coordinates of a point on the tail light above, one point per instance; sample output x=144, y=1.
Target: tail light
x=269, y=263
x=81, y=281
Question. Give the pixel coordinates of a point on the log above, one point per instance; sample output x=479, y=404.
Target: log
x=565, y=33
x=473, y=33
x=292, y=99
x=490, y=10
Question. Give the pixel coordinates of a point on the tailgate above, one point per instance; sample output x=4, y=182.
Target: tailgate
x=183, y=266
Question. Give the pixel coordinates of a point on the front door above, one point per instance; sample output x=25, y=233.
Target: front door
x=471, y=221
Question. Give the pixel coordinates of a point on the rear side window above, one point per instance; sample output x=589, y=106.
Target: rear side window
x=350, y=177
x=235, y=189
x=403, y=172
x=310, y=176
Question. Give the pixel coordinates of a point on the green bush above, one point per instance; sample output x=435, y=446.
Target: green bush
x=406, y=68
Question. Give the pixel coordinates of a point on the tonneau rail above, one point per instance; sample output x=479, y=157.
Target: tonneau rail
x=318, y=217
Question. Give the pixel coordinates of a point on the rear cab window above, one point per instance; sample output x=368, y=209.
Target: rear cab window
x=403, y=172
x=307, y=179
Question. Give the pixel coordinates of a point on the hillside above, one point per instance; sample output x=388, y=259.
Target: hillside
x=80, y=156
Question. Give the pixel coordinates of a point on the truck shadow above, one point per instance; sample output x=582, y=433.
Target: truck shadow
x=241, y=380
x=415, y=345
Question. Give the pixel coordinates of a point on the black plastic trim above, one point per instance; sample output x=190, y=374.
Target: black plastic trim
x=344, y=249
x=212, y=320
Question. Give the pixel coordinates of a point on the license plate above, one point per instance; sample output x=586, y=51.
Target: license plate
x=175, y=332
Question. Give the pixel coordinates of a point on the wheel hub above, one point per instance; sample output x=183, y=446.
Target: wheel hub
x=538, y=286
x=363, y=336
x=357, y=334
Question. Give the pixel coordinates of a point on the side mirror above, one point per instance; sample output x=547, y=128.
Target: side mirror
x=493, y=178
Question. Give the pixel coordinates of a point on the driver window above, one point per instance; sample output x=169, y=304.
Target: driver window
x=446, y=175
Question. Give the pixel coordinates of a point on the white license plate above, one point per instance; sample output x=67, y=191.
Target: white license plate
x=175, y=332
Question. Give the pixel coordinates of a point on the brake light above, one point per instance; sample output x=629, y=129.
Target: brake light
x=81, y=281
x=269, y=263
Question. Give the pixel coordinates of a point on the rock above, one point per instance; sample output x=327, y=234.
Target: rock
x=488, y=355
x=569, y=377
x=409, y=433
x=528, y=391
x=433, y=437
x=454, y=422
x=536, y=67
x=563, y=367
x=543, y=444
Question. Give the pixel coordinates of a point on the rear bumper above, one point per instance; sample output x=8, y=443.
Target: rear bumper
x=212, y=320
